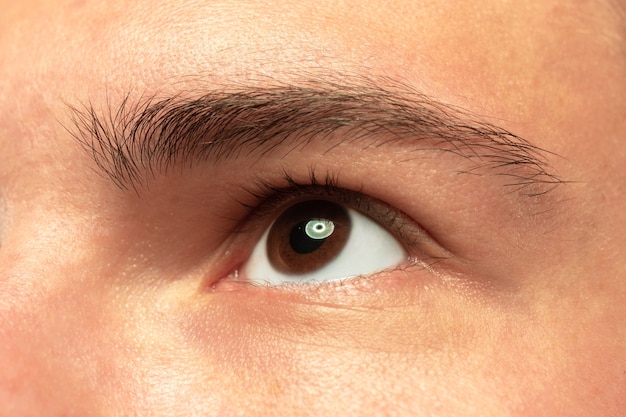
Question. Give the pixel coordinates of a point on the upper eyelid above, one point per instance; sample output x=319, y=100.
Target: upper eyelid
x=265, y=196
x=269, y=199
x=291, y=188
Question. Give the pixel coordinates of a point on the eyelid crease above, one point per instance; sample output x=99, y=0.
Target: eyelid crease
x=140, y=139
x=263, y=190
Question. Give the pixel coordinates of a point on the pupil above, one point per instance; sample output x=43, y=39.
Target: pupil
x=310, y=235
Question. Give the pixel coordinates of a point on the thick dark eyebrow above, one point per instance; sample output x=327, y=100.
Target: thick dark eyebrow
x=148, y=136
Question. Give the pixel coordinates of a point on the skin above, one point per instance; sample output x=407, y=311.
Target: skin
x=113, y=303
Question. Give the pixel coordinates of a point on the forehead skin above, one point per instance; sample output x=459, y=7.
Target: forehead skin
x=481, y=55
x=553, y=72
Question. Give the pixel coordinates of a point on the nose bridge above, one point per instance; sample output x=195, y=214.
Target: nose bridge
x=43, y=321
x=41, y=249
x=28, y=275
x=24, y=308
x=4, y=215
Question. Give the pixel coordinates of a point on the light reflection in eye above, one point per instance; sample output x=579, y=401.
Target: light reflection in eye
x=319, y=241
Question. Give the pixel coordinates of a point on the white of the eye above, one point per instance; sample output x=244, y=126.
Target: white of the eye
x=369, y=249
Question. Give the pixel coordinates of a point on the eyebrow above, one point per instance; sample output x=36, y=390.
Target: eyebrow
x=141, y=138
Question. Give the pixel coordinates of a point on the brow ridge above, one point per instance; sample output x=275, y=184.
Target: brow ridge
x=138, y=139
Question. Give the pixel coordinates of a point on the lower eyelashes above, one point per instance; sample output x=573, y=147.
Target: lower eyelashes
x=318, y=240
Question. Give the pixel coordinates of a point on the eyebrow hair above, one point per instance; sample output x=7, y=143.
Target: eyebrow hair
x=150, y=135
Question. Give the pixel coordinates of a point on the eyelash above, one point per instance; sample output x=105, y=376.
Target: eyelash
x=268, y=200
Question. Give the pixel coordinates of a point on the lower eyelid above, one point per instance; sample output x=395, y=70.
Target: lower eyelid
x=380, y=290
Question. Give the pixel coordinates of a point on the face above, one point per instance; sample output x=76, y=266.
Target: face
x=312, y=208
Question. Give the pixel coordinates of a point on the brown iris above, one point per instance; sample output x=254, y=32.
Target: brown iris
x=307, y=236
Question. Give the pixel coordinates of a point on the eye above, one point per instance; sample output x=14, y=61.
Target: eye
x=320, y=241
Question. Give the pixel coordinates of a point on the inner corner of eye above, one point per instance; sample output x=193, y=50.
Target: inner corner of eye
x=318, y=241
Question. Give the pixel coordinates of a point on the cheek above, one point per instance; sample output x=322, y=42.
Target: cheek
x=554, y=363
x=441, y=356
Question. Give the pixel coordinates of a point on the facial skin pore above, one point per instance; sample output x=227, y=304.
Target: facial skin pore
x=146, y=149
